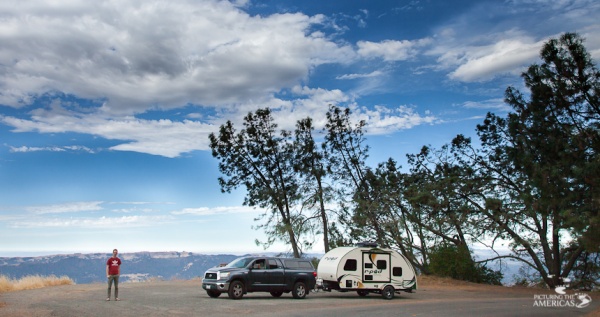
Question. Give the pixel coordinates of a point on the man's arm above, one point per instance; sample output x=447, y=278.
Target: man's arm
x=107, y=270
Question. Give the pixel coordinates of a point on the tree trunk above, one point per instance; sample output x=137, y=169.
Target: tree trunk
x=323, y=217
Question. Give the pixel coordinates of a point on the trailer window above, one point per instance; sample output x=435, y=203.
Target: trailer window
x=350, y=265
x=368, y=266
x=382, y=265
x=397, y=271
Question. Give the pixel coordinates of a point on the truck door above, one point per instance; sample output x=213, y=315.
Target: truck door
x=376, y=267
x=257, y=275
x=275, y=274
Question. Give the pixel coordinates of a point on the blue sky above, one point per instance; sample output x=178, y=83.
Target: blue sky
x=106, y=106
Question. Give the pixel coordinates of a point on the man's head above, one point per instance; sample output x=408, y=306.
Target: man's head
x=115, y=252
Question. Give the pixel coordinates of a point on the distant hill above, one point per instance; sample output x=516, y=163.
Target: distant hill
x=142, y=266
x=91, y=268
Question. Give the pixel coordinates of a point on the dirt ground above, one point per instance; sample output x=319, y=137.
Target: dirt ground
x=434, y=297
x=440, y=283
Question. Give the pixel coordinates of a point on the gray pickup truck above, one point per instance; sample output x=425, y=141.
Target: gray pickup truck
x=261, y=274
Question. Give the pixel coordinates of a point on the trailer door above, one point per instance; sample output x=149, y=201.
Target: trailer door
x=376, y=267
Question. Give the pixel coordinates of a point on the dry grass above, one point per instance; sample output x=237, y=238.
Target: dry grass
x=32, y=282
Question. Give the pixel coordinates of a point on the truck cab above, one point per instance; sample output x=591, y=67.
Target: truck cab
x=261, y=274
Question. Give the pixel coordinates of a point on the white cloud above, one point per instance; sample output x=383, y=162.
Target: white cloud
x=137, y=55
x=25, y=149
x=375, y=73
x=167, y=137
x=172, y=138
x=391, y=50
x=491, y=104
x=130, y=210
x=495, y=38
x=72, y=207
x=158, y=137
x=100, y=223
x=384, y=120
x=206, y=211
x=479, y=59
x=485, y=62
x=74, y=148
x=129, y=57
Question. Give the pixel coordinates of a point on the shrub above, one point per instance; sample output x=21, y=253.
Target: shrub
x=456, y=262
x=32, y=282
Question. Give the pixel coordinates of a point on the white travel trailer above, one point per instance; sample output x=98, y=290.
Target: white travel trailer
x=366, y=269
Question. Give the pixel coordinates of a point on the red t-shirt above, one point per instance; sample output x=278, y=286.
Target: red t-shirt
x=113, y=266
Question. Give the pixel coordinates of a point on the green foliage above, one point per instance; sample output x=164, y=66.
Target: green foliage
x=452, y=261
x=534, y=179
x=259, y=158
x=586, y=272
x=455, y=261
x=488, y=276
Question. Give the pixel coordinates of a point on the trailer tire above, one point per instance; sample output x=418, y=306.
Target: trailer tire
x=236, y=290
x=299, y=290
x=362, y=293
x=388, y=292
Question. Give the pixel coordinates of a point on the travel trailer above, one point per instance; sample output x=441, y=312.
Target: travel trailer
x=366, y=269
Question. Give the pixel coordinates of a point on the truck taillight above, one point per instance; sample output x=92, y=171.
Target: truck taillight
x=314, y=274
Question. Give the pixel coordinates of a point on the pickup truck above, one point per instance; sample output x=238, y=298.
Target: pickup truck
x=261, y=274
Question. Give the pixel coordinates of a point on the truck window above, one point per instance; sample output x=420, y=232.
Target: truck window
x=259, y=264
x=397, y=271
x=305, y=265
x=382, y=265
x=295, y=264
x=273, y=265
x=239, y=263
x=350, y=265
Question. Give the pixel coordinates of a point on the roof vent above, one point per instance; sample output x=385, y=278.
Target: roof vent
x=367, y=244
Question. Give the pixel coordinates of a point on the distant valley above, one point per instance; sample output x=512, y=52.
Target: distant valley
x=144, y=266
x=136, y=267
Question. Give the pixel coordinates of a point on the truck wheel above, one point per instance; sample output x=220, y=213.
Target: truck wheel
x=276, y=294
x=299, y=290
x=236, y=290
x=388, y=292
x=362, y=293
x=213, y=294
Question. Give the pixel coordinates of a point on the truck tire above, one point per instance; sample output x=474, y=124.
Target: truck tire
x=388, y=292
x=213, y=294
x=236, y=290
x=276, y=294
x=299, y=290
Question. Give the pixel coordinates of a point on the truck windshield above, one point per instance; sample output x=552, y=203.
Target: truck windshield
x=239, y=263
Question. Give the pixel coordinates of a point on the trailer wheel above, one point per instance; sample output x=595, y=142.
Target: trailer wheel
x=276, y=294
x=236, y=290
x=299, y=290
x=362, y=293
x=388, y=292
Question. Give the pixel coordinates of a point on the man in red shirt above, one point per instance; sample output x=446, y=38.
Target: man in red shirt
x=113, y=270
